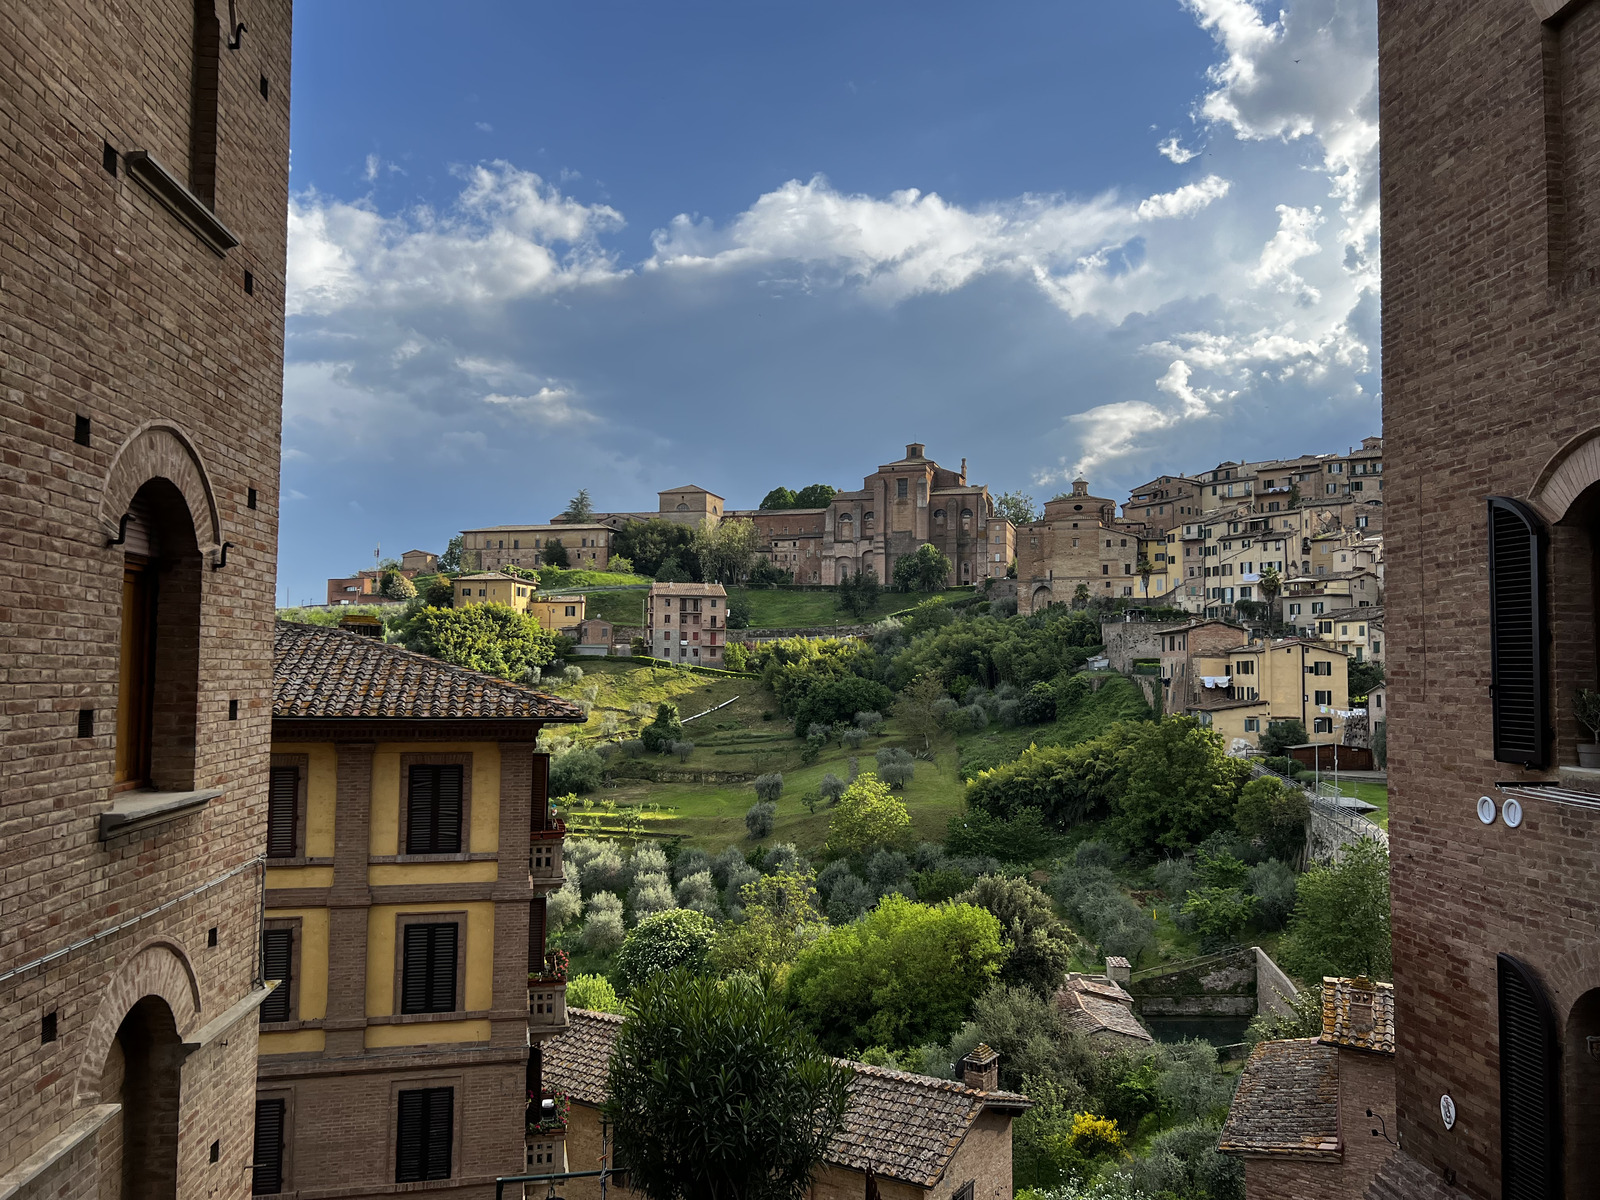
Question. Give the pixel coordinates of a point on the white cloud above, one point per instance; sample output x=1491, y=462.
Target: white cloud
x=1171, y=149
x=1184, y=202
x=1296, y=239
x=1112, y=431
x=549, y=405
x=371, y=172
x=483, y=126
x=508, y=235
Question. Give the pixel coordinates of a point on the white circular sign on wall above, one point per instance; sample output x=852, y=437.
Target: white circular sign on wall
x=1511, y=812
x=1447, y=1111
x=1486, y=812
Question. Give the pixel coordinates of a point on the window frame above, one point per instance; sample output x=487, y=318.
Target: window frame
x=401, y=1089
x=301, y=765
x=293, y=927
x=285, y=1099
x=463, y=760
x=405, y=921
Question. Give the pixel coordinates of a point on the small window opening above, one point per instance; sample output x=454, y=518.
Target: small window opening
x=47, y=1029
x=249, y=284
x=211, y=937
x=264, y=87
x=250, y=499
x=216, y=1151
x=86, y=722
x=108, y=159
x=233, y=710
x=80, y=430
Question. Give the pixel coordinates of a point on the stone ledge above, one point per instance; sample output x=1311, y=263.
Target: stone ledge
x=180, y=201
x=217, y=1026
x=15, y=1181
x=136, y=810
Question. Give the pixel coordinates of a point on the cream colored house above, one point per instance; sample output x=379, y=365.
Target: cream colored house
x=1243, y=689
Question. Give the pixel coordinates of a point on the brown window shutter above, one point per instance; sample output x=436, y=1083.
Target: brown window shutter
x=536, y=936
x=277, y=958
x=419, y=811
x=1518, y=642
x=283, y=801
x=448, y=805
x=267, y=1154
x=433, y=810
x=424, y=1131
x=541, y=791
x=428, y=969
x=1530, y=1087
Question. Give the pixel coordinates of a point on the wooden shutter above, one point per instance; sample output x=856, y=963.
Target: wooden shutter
x=283, y=802
x=1517, y=638
x=277, y=960
x=424, y=1132
x=536, y=947
x=419, y=811
x=447, y=807
x=428, y=969
x=267, y=1154
x=1530, y=1087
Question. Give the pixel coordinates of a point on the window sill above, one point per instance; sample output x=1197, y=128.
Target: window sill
x=138, y=810
x=298, y=862
x=474, y=856
x=180, y=201
x=429, y=1018
x=1580, y=779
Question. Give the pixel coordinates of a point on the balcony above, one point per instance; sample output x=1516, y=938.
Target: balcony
x=544, y=858
x=547, y=1006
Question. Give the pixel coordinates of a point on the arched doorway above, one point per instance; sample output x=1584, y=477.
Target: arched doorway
x=1581, y=1062
x=1041, y=598
x=143, y=1073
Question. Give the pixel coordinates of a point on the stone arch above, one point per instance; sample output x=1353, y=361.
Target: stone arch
x=1571, y=471
x=1042, y=596
x=842, y=570
x=161, y=450
x=159, y=967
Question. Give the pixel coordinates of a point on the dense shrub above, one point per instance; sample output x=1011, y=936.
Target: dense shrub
x=658, y=736
x=783, y=857
x=1272, y=883
x=593, y=992
x=837, y=701
x=760, y=818
x=1274, y=815
x=895, y=766
x=662, y=942
x=698, y=892
x=690, y=861
x=769, y=787
x=1037, y=706
x=1097, y=905
x=563, y=906
x=831, y=787
x=848, y=899
x=1040, y=946
x=866, y=817
x=1022, y=839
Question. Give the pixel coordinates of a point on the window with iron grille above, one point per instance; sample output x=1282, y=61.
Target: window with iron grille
x=425, y=1129
x=428, y=968
x=266, y=1155
x=433, y=810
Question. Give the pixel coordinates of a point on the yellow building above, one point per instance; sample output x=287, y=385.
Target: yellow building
x=1245, y=688
x=409, y=850
x=557, y=613
x=494, y=587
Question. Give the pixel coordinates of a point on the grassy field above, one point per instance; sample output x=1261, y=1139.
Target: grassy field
x=782, y=608
x=1372, y=793
x=620, y=608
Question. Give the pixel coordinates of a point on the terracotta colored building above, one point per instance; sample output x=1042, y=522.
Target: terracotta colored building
x=905, y=1137
x=1078, y=542
x=687, y=622
x=409, y=851
x=588, y=544
x=143, y=193
x=1490, y=115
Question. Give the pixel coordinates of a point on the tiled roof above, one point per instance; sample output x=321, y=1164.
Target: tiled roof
x=1287, y=1102
x=899, y=1125
x=1358, y=1014
x=322, y=672
x=1096, y=1004
x=687, y=589
x=481, y=575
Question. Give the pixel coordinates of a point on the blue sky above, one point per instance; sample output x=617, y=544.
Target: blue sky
x=619, y=246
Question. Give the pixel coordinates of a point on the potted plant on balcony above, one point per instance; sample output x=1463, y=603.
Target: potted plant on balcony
x=1586, y=708
x=547, y=1114
x=556, y=963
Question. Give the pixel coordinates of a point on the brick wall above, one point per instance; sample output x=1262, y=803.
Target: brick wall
x=1491, y=152
x=113, y=310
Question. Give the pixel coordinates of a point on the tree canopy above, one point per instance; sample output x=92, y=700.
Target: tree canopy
x=868, y=815
x=1178, y=785
x=725, y=549
x=1273, y=813
x=902, y=975
x=717, y=1092
x=777, y=499
x=649, y=545
x=1039, y=946
x=580, y=507
x=665, y=941
x=815, y=495
x=493, y=638
x=781, y=918
x=926, y=570
x=1340, y=922
x=858, y=593
x=1016, y=507
x=555, y=554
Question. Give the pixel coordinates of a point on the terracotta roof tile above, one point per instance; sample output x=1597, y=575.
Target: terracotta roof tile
x=322, y=672
x=900, y=1125
x=1287, y=1102
x=1359, y=1014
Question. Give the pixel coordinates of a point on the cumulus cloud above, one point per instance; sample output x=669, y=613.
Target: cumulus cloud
x=549, y=406
x=1174, y=152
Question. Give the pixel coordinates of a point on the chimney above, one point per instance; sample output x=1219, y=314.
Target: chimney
x=1119, y=970
x=981, y=1069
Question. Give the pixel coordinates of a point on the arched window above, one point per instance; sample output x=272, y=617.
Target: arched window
x=159, y=644
x=938, y=515
x=142, y=1072
x=866, y=523
x=682, y=507
x=847, y=527
x=966, y=519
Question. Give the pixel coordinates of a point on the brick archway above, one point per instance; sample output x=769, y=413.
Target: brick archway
x=157, y=968
x=1571, y=471
x=161, y=450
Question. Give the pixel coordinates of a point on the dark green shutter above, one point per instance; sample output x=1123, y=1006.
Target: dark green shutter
x=267, y=1154
x=419, y=812
x=1518, y=653
x=277, y=959
x=433, y=810
x=1530, y=1087
x=283, y=802
x=447, y=806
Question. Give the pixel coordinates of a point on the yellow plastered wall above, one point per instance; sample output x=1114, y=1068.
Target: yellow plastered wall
x=322, y=788
x=381, y=949
x=313, y=964
x=384, y=812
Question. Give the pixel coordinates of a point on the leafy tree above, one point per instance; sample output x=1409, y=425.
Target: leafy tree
x=1270, y=585
x=837, y=701
x=1146, y=568
x=716, y=1092
x=738, y=612
x=781, y=918
x=492, y=638
x=435, y=591
x=1016, y=507
x=815, y=495
x=1273, y=813
x=1340, y=923
x=1219, y=914
x=1364, y=676
x=664, y=942
x=858, y=593
x=648, y=545
x=765, y=574
x=726, y=549
x=867, y=816
x=778, y=498
x=593, y=992
x=1280, y=735
x=1272, y=883
x=450, y=560
x=580, y=507
x=926, y=570
x=659, y=735
x=555, y=554
x=1080, y=596
x=1065, y=784
x=576, y=770
x=902, y=975
x=921, y=707
x=396, y=586
x=1040, y=945
x=769, y=786
x=1177, y=785
x=896, y=767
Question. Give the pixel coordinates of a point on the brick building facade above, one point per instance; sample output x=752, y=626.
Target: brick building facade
x=143, y=190
x=687, y=623
x=1078, y=542
x=1490, y=116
